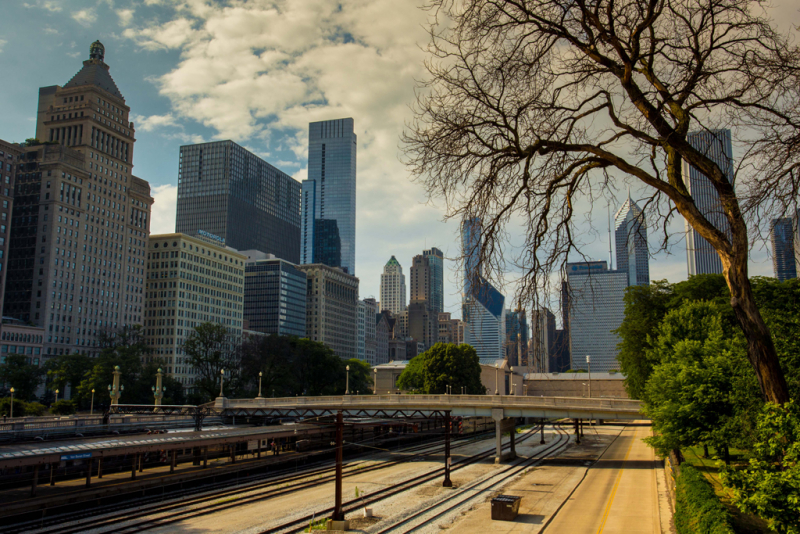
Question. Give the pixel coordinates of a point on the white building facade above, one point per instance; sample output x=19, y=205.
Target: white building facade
x=393, y=287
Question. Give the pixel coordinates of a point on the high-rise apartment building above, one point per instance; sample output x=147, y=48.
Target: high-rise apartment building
x=274, y=297
x=393, y=287
x=332, y=308
x=80, y=219
x=9, y=158
x=701, y=257
x=596, y=310
x=450, y=330
x=329, y=194
x=436, y=284
x=190, y=281
x=543, y=339
x=422, y=316
x=630, y=234
x=226, y=190
x=382, y=338
x=370, y=332
x=782, y=236
x=517, y=337
x=361, y=331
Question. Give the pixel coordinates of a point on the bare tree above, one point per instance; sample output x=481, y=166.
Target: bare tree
x=532, y=106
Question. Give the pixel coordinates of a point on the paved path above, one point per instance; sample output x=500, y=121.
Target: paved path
x=619, y=492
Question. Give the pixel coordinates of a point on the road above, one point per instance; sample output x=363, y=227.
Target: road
x=619, y=492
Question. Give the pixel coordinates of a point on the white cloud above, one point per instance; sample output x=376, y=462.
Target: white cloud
x=85, y=17
x=125, y=16
x=48, y=5
x=148, y=124
x=165, y=203
x=3, y=42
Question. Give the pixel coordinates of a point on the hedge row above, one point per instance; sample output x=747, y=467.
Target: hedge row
x=698, y=510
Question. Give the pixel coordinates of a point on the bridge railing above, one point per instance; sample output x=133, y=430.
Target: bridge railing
x=390, y=400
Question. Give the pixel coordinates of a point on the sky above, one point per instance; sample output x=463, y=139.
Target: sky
x=257, y=72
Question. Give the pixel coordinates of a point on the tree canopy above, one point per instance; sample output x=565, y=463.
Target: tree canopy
x=531, y=109
x=444, y=364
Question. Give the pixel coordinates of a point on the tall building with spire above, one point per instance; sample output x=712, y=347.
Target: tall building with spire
x=328, y=216
x=81, y=219
x=701, y=257
x=630, y=235
x=393, y=287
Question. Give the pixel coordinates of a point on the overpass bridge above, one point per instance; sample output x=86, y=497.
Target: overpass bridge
x=404, y=406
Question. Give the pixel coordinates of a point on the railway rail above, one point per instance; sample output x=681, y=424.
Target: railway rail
x=247, y=490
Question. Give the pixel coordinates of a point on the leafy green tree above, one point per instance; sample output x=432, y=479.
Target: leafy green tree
x=770, y=485
x=209, y=350
x=690, y=394
x=412, y=379
x=318, y=370
x=272, y=356
x=452, y=365
x=24, y=377
x=69, y=369
x=360, y=379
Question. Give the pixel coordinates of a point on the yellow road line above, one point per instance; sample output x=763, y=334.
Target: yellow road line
x=614, y=489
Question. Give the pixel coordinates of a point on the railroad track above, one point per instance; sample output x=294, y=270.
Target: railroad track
x=379, y=495
x=251, y=489
x=471, y=491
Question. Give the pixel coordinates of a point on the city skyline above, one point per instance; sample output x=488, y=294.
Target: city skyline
x=392, y=217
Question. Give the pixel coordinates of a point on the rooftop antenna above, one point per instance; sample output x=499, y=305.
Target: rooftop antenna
x=610, y=255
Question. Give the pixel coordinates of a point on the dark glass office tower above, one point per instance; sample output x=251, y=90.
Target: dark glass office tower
x=436, y=261
x=226, y=190
x=701, y=258
x=275, y=297
x=782, y=237
x=327, y=243
x=330, y=193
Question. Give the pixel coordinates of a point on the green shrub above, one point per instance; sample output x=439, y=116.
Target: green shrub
x=63, y=407
x=34, y=409
x=698, y=510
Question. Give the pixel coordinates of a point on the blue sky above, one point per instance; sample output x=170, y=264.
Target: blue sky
x=257, y=72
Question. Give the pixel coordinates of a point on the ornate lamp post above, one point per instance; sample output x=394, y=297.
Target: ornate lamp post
x=12, y=403
x=158, y=390
x=259, y=384
x=496, y=370
x=56, y=396
x=91, y=408
x=375, y=382
x=115, y=390
x=347, y=388
x=221, y=381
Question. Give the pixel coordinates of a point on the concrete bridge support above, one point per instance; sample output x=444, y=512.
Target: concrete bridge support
x=502, y=425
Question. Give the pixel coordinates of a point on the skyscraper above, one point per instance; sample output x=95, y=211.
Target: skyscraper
x=701, y=258
x=274, y=297
x=9, y=162
x=783, y=247
x=630, y=234
x=483, y=308
x=596, y=309
x=517, y=337
x=393, y=287
x=225, y=190
x=436, y=291
x=329, y=194
x=80, y=218
x=332, y=309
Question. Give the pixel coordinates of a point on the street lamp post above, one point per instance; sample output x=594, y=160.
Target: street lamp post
x=512, y=379
x=221, y=381
x=12, y=403
x=259, y=384
x=496, y=370
x=347, y=386
x=158, y=390
x=56, y=396
x=583, y=385
x=91, y=407
x=375, y=382
x=115, y=390
x=524, y=390
x=589, y=364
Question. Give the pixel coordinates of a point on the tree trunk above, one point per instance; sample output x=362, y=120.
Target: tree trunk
x=705, y=450
x=760, y=348
x=727, y=454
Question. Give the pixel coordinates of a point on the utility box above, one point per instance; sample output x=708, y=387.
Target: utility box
x=505, y=507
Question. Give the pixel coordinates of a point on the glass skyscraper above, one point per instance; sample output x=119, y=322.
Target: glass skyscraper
x=436, y=262
x=227, y=191
x=275, y=297
x=701, y=257
x=783, y=246
x=329, y=194
x=631, y=239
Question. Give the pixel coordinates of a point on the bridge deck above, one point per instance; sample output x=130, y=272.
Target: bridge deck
x=458, y=405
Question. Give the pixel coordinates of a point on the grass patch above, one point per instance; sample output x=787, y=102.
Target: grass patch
x=742, y=523
x=698, y=509
x=320, y=524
